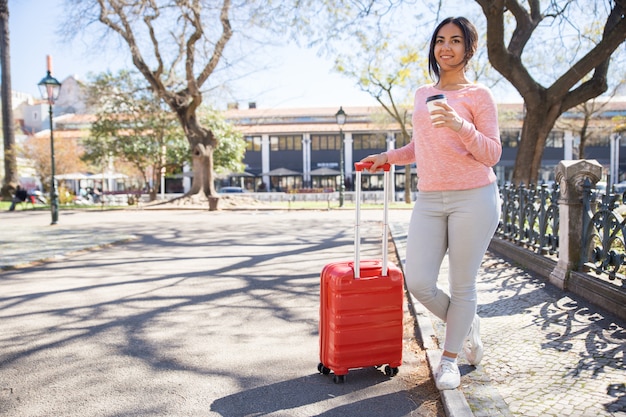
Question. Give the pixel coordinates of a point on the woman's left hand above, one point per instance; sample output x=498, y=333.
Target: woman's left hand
x=447, y=117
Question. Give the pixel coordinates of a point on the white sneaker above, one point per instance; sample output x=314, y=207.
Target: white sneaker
x=447, y=375
x=473, y=345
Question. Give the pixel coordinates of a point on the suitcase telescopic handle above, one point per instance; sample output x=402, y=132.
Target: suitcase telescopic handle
x=359, y=167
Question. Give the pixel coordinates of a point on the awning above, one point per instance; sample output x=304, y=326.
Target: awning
x=282, y=172
x=325, y=172
x=240, y=174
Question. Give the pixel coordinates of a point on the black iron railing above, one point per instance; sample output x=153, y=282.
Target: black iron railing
x=530, y=217
x=603, y=250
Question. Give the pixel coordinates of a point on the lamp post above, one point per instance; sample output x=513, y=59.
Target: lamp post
x=341, y=119
x=163, y=155
x=49, y=88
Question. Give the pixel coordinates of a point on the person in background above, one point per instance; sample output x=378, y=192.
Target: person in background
x=457, y=208
x=20, y=196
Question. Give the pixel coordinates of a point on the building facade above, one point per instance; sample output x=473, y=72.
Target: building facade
x=292, y=149
x=301, y=149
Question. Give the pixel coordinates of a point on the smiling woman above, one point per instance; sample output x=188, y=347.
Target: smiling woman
x=457, y=209
x=452, y=48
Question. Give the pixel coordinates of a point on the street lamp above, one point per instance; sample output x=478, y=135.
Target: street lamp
x=341, y=119
x=49, y=88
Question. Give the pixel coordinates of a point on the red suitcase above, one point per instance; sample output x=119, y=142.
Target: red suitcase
x=361, y=306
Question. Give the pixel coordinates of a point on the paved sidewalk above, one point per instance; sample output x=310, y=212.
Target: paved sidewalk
x=547, y=353
x=191, y=314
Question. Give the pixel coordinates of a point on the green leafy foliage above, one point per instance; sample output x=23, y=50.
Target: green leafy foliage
x=229, y=153
x=134, y=126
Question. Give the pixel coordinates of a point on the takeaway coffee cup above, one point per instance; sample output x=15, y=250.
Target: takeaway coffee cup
x=430, y=102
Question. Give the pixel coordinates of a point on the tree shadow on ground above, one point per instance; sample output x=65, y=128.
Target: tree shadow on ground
x=311, y=394
x=563, y=320
x=145, y=301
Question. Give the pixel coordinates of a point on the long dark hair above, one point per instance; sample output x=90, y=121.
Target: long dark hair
x=470, y=38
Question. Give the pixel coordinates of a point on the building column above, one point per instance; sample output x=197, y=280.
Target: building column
x=347, y=154
x=265, y=159
x=186, y=177
x=614, y=168
x=306, y=159
x=568, y=145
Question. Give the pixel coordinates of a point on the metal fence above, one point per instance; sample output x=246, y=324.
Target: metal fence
x=530, y=218
x=603, y=249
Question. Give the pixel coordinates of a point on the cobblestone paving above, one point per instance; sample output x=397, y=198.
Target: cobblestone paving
x=547, y=352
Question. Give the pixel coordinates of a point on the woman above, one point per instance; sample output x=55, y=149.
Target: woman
x=457, y=208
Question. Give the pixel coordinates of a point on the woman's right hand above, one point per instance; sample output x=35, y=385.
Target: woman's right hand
x=377, y=161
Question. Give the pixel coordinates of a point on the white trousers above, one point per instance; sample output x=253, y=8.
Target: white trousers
x=461, y=223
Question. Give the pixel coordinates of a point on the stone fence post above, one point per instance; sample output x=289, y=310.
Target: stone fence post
x=571, y=176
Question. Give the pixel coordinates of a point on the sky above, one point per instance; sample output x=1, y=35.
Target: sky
x=298, y=78
x=32, y=33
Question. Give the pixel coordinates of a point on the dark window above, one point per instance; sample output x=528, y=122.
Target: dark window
x=369, y=141
x=401, y=140
x=273, y=143
x=287, y=142
x=253, y=143
x=595, y=138
x=555, y=139
x=325, y=142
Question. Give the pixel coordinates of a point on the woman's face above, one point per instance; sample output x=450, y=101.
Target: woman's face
x=450, y=47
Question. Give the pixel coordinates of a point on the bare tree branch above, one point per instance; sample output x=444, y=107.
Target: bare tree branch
x=613, y=35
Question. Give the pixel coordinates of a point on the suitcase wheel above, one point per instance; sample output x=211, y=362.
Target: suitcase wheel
x=339, y=379
x=322, y=369
x=389, y=371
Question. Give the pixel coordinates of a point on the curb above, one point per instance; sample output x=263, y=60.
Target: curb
x=454, y=402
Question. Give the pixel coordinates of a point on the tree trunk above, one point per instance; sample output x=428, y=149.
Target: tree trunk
x=583, y=136
x=202, y=143
x=202, y=165
x=538, y=123
x=8, y=125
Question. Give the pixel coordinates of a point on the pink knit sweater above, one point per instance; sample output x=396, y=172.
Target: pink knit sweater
x=447, y=160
